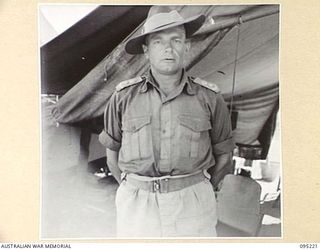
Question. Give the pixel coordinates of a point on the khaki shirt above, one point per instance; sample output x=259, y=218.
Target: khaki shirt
x=159, y=135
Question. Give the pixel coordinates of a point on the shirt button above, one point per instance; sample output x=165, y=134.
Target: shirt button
x=163, y=131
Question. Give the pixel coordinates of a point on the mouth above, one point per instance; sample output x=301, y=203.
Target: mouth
x=168, y=59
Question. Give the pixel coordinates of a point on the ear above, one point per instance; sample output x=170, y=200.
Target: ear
x=145, y=50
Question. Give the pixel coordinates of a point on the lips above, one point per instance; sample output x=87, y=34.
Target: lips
x=169, y=59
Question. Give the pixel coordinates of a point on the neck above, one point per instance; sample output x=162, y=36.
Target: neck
x=167, y=82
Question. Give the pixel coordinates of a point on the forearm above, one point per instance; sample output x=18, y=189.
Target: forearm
x=221, y=169
x=112, y=161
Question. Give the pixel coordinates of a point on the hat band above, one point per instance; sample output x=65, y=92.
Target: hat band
x=160, y=20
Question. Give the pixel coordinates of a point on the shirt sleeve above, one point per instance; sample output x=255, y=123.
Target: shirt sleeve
x=111, y=135
x=221, y=133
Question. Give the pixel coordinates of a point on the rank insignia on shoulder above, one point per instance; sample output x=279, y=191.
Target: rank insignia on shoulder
x=208, y=85
x=128, y=83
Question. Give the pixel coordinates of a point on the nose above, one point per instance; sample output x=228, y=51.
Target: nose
x=168, y=46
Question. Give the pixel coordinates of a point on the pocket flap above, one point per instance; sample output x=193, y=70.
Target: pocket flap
x=134, y=124
x=196, y=124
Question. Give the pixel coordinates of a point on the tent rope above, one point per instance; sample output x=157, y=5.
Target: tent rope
x=235, y=64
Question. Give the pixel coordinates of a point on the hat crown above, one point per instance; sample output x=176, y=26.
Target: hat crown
x=158, y=19
x=158, y=9
x=161, y=18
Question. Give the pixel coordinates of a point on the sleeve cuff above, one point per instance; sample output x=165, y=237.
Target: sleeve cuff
x=106, y=140
x=224, y=147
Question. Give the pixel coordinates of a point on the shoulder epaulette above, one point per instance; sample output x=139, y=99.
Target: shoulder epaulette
x=128, y=83
x=208, y=85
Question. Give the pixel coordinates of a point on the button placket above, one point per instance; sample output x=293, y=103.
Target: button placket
x=165, y=135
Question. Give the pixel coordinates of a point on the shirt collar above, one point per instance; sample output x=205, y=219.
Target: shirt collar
x=185, y=80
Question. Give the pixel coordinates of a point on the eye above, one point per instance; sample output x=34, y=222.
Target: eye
x=156, y=42
x=177, y=40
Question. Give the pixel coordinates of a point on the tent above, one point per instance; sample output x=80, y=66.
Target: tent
x=237, y=49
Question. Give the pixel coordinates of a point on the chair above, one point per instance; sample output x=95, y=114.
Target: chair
x=238, y=200
x=239, y=207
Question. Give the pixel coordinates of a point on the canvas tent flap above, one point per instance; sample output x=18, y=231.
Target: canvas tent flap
x=66, y=59
x=257, y=64
x=256, y=90
x=211, y=57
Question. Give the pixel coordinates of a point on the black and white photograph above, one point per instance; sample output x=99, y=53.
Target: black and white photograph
x=160, y=121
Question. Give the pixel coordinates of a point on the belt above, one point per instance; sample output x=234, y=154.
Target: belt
x=165, y=184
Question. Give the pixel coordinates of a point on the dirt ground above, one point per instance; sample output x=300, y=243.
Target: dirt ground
x=77, y=204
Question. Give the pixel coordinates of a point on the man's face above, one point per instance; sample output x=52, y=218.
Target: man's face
x=166, y=50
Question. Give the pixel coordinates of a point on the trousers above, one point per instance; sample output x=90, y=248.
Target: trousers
x=189, y=212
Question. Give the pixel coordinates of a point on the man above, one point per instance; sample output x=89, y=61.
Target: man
x=163, y=131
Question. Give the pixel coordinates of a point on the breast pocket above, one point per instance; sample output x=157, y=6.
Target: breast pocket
x=191, y=133
x=136, y=138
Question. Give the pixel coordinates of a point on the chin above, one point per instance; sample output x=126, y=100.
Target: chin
x=169, y=71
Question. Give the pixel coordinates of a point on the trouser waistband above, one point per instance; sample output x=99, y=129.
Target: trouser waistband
x=165, y=184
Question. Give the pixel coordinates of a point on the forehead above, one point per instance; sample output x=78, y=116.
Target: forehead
x=178, y=31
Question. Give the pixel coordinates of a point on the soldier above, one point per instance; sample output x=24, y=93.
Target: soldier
x=163, y=131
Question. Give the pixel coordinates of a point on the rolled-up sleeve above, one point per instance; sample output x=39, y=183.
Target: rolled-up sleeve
x=221, y=133
x=111, y=135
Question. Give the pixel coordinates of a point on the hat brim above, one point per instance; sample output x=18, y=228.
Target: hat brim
x=192, y=24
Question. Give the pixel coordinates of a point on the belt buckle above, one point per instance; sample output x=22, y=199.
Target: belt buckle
x=156, y=186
